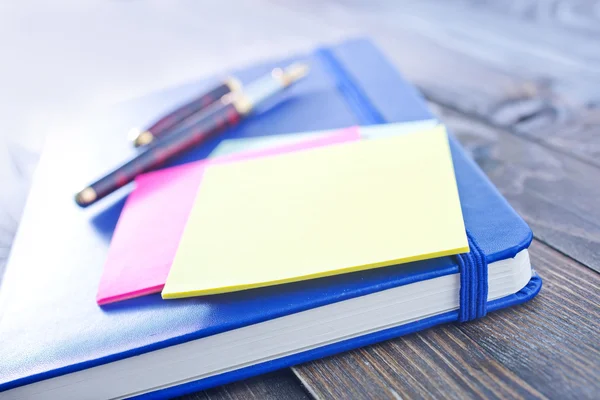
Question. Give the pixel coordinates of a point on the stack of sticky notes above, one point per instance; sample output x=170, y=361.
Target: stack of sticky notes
x=321, y=205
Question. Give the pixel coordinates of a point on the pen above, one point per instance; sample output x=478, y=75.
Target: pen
x=225, y=113
x=168, y=122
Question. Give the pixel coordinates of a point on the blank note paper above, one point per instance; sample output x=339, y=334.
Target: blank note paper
x=320, y=212
x=154, y=216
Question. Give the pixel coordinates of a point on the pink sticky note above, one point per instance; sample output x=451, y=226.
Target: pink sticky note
x=152, y=221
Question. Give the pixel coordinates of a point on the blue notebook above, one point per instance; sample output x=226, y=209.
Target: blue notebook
x=57, y=343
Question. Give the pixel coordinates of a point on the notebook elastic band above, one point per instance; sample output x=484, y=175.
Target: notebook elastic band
x=473, y=282
x=351, y=91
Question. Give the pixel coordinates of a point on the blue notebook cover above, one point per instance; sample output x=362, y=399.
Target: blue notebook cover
x=50, y=324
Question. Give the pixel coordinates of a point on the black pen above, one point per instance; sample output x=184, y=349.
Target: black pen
x=169, y=122
x=216, y=118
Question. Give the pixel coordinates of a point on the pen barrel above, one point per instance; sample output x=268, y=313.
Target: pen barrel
x=167, y=123
x=215, y=120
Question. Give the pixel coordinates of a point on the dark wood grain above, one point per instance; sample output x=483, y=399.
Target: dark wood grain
x=553, y=342
x=560, y=15
x=532, y=70
x=528, y=67
x=438, y=363
x=548, y=347
x=556, y=194
x=274, y=386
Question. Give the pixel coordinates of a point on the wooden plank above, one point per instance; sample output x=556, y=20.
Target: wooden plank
x=529, y=68
x=545, y=348
x=274, y=386
x=573, y=15
x=556, y=194
x=438, y=363
x=553, y=342
x=548, y=49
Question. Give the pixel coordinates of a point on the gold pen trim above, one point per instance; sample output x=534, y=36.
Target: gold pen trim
x=86, y=196
x=240, y=101
x=290, y=74
x=234, y=84
x=141, y=138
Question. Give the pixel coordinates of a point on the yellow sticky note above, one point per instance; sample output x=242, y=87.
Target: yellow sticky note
x=320, y=212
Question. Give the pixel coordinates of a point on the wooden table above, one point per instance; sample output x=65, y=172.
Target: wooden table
x=519, y=83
